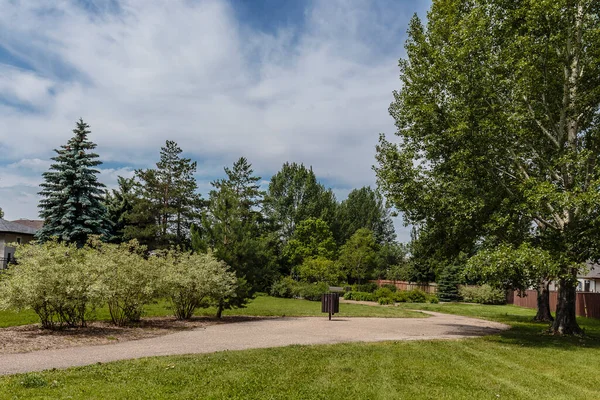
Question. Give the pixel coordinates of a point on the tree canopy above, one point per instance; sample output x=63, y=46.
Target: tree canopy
x=71, y=204
x=499, y=123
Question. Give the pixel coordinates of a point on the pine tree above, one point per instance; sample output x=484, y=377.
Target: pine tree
x=72, y=196
x=119, y=204
x=167, y=203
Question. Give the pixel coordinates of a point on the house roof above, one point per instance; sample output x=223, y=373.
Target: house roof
x=36, y=224
x=13, y=227
x=593, y=273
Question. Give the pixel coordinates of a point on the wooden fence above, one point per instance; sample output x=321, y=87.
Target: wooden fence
x=403, y=285
x=588, y=303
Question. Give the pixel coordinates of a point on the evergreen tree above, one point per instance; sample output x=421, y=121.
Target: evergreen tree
x=1, y=213
x=119, y=205
x=71, y=206
x=232, y=228
x=448, y=282
x=167, y=202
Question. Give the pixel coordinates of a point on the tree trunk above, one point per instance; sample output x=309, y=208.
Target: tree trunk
x=220, y=310
x=543, y=303
x=566, y=322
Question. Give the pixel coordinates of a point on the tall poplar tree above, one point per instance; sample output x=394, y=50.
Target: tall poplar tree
x=71, y=204
x=499, y=119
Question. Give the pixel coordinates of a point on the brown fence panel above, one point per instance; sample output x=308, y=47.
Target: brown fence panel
x=587, y=305
x=403, y=285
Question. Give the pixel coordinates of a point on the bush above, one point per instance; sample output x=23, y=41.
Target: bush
x=368, y=287
x=383, y=292
x=360, y=296
x=126, y=279
x=433, y=299
x=192, y=281
x=416, y=296
x=54, y=279
x=385, y=300
x=284, y=287
x=312, y=291
x=390, y=286
x=401, y=296
x=483, y=294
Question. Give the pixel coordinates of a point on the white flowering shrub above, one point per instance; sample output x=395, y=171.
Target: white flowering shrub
x=58, y=281
x=127, y=280
x=191, y=281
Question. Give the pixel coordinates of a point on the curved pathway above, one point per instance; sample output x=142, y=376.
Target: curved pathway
x=258, y=333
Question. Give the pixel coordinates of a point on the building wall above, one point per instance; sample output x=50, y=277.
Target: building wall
x=10, y=238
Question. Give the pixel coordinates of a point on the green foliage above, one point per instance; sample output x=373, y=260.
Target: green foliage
x=360, y=296
x=498, y=125
x=33, y=380
x=385, y=300
x=294, y=195
x=391, y=287
x=195, y=280
x=312, y=238
x=126, y=280
x=167, y=203
x=232, y=227
x=383, y=292
x=448, y=282
x=71, y=204
x=56, y=280
x=311, y=291
x=1, y=213
x=368, y=287
x=364, y=208
x=119, y=204
x=284, y=287
x=416, y=296
x=320, y=269
x=358, y=255
x=484, y=294
x=507, y=267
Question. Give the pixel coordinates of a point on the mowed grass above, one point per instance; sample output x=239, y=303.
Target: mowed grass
x=265, y=306
x=522, y=363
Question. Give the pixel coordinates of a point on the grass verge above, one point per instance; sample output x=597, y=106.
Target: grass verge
x=264, y=306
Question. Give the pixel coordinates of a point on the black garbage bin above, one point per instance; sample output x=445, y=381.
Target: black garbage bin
x=330, y=303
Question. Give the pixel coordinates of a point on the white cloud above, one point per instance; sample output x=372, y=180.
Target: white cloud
x=193, y=73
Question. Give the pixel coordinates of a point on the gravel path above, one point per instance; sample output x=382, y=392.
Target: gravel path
x=257, y=334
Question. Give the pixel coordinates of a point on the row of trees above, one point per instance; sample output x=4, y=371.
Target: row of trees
x=260, y=234
x=499, y=120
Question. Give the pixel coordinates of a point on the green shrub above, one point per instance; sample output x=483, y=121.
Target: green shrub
x=433, y=299
x=284, y=288
x=383, y=292
x=368, y=287
x=127, y=280
x=312, y=291
x=56, y=280
x=385, y=300
x=390, y=286
x=416, y=296
x=194, y=280
x=360, y=296
x=483, y=294
x=401, y=296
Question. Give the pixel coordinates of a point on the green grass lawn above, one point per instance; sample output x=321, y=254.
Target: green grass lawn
x=522, y=363
x=265, y=306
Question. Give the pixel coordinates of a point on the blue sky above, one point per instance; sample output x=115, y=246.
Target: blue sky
x=272, y=80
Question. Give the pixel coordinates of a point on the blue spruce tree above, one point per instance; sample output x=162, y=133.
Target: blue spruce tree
x=72, y=196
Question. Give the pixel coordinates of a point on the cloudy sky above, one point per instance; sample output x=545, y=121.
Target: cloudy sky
x=273, y=80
